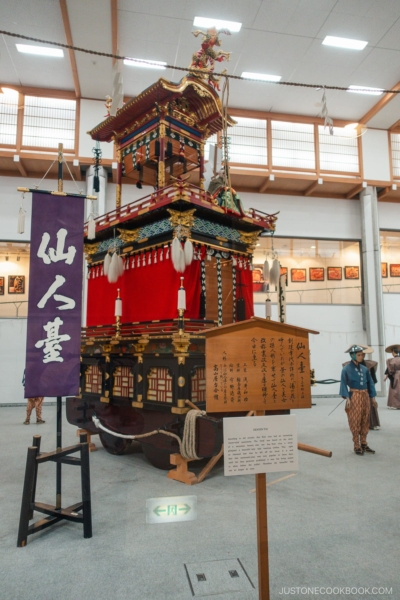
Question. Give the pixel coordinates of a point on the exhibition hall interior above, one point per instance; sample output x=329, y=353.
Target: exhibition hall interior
x=199, y=299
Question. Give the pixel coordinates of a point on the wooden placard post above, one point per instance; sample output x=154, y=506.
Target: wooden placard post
x=258, y=365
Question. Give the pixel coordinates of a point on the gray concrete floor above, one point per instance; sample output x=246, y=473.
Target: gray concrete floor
x=334, y=524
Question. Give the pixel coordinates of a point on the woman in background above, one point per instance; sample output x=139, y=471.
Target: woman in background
x=393, y=374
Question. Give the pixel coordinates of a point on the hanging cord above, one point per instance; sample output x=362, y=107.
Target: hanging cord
x=315, y=86
x=44, y=176
x=21, y=216
x=72, y=177
x=187, y=446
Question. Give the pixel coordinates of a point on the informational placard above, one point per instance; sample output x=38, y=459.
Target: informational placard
x=257, y=365
x=55, y=296
x=260, y=444
x=171, y=509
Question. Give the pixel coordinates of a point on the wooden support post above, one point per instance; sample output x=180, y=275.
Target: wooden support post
x=262, y=531
x=210, y=465
x=58, y=446
x=36, y=444
x=181, y=472
x=92, y=445
x=29, y=484
x=85, y=480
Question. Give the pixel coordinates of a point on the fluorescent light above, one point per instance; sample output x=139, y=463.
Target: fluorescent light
x=153, y=64
x=233, y=26
x=348, y=43
x=261, y=76
x=364, y=89
x=42, y=50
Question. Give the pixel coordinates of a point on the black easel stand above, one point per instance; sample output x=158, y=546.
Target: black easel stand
x=55, y=513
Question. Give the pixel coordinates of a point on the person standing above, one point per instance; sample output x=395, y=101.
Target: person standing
x=393, y=374
x=357, y=387
x=33, y=403
x=371, y=365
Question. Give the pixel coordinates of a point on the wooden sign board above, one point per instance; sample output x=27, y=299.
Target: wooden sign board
x=257, y=365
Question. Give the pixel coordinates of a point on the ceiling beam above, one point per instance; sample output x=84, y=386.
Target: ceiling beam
x=20, y=165
x=384, y=192
x=266, y=184
x=380, y=104
x=114, y=28
x=311, y=188
x=356, y=190
x=68, y=36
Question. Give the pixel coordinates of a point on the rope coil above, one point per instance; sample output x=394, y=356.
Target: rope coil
x=187, y=446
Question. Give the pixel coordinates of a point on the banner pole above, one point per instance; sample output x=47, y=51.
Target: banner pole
x=60, y=167
x=262, y=531
x=59, y=448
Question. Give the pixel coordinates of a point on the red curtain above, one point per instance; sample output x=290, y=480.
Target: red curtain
x=148, y=293
x=244, y=289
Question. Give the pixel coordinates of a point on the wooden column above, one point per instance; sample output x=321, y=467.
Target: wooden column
x=161, y=158
x=118, y=190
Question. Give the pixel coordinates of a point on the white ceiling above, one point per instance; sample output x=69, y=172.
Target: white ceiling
x=281, y=37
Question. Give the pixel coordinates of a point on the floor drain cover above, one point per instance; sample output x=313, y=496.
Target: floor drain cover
x=218, y=577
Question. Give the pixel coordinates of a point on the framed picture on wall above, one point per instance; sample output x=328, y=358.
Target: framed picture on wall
x=298, y=275
x=334, y=273
x=1, y=286
x=394, y=270
x=384, y=269
x=317, y=274
x=16, y=284
x=352, y=272
x=258, y=278
x=284, y=271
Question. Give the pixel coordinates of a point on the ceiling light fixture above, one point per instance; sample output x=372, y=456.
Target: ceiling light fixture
x=261, y=76
x=41, y=50
x=154, y=64
x=233, y=26
x=347, y=43
x=364, y=89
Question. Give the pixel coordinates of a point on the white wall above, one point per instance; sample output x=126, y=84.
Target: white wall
x=92, y=113
x=339, y=326
x=375, y=151
x=12, y=360
x=391, y=304
x=309, y=217
x=389, y=215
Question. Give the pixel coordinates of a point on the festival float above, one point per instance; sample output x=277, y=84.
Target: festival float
x=164, y=269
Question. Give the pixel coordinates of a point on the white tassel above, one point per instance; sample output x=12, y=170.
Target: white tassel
x=107, y=262
x=162, y=254
x=266, y=271
x=155, y=256
x=21, y=220
x=88, y=274
x=234, y=261
x=101, y=271
x=133, y=262
x=176, y=254
x=182, y=263
x=128, y=262
x=113, y=271
x=167, y=255
x=275, y=272
x=91, y=228
x=208, y=254
x=149, y=259
x=188, y=249
x=144, y=259
x=138, y=264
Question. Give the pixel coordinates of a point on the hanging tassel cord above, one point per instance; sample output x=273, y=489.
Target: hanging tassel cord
x=187, y=446
x=225, y=123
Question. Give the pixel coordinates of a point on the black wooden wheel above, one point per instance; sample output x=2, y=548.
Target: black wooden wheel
x=158, y=457
x=113, y=444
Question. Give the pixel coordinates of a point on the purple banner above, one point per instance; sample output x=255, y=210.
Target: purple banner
x=55, y=296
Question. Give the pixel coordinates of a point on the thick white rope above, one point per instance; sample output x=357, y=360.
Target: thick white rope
x=187, y=446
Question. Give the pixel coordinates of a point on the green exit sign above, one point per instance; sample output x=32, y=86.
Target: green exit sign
x=171, y=509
